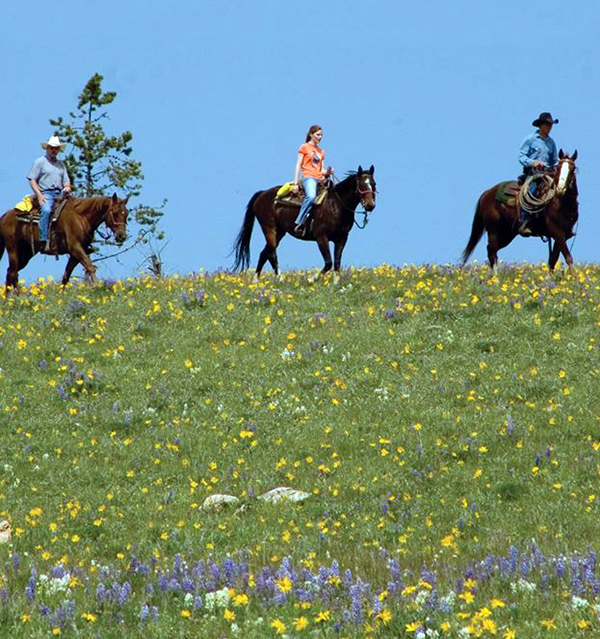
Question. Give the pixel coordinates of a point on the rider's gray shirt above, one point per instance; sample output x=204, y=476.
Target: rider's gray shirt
x=48, y=175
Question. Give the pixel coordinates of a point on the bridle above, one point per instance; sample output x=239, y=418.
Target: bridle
x=110, y=220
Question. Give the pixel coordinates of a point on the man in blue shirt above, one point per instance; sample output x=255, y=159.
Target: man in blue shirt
x=537, y=154
x=48, y=178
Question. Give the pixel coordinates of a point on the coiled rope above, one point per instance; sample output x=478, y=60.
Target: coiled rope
x=531, y=203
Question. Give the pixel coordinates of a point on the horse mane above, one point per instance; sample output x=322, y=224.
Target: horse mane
x=88, y=205
x=349, y=176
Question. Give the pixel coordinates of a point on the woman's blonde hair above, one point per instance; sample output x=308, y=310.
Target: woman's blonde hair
x=313, y=129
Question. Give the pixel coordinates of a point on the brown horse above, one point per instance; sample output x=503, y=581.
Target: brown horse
x=501, y=218
x=74, y=232
x=332, y=221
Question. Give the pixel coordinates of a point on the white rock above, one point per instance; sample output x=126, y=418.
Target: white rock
x=218, y=502
x=283, y=493
x=5, y=532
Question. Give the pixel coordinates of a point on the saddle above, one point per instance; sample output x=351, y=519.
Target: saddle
x=508, y=192
x=285, y=194
x=28, y=210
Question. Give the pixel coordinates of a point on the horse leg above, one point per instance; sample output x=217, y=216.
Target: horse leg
x=77, y=253
x=268, y=253
x=492, y=252
x=323, y=244
x=12, y=273
x=554, y=252
x=337, y=252
x=71, y=264
x=561, y=243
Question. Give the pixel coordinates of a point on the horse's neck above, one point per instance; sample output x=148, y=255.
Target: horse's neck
x=95, y=212
x=348, y=196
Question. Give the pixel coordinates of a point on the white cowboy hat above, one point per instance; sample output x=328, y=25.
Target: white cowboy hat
x=53, y=140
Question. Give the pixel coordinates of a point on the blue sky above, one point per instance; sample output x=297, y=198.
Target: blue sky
x=438, y=95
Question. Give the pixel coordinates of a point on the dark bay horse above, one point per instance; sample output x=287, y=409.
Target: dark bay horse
x=332, y=221
x=501, y=219
x=74, y=231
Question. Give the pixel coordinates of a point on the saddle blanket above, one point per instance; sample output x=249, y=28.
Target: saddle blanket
x=507, y=192
x=286, y=195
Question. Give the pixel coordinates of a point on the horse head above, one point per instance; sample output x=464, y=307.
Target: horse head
x=116, y=217
x=565, y=172
x=366, y=187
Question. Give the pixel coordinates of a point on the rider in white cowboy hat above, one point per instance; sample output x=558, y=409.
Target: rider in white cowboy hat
x=48, y=178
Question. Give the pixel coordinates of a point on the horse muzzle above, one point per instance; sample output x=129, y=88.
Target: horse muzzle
x=369, y=205
x=120, y=236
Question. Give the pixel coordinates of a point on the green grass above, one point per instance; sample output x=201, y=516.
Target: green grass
x=437, y=416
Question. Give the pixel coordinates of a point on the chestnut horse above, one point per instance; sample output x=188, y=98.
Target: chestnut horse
x=331, y=221
x=74, y=231
x=555, y=222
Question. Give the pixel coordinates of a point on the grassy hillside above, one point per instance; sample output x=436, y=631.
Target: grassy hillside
x=446, y=425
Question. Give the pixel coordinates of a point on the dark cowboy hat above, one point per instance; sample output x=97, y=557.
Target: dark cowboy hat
x=545, y=118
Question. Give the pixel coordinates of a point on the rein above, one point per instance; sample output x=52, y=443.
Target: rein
x=360, y=192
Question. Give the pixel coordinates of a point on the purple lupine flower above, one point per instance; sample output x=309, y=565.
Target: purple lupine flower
x=560, y=567
x=377, y=606
x=188, y=585
x=101, y=593
x=16, y=561
x=228, y=570
x=43, y=365
x=513, y=554
x=30, y=589
x=510, y=425
x=216, y=572
x=3, y=595
x=144, y=612
x=163, y=582
x=548, y=451
x=58, y=572
x=123, y=594
x=198, y=602
x=357, y=612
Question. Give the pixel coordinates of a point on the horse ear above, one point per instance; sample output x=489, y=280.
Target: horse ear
x=372, y=170
x=360, y=169
x=115, y=199
x=574, y=155
x=561, y=155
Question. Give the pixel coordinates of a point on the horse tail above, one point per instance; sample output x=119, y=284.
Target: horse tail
x=242, y=242
x=2, y=242
x=476, y=232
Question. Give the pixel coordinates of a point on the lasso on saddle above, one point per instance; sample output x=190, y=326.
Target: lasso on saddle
x=530, y=195
x=536, y=192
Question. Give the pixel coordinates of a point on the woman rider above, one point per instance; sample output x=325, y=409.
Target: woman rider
x=310, y=161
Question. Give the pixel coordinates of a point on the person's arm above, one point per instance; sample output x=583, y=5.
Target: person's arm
x=524, y=156
x=524, y=152
x=35, y=187
x=297, y=171
x=66, y=182
x=553, y=155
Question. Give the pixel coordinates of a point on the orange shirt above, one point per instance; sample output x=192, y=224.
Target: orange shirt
x=312, y=161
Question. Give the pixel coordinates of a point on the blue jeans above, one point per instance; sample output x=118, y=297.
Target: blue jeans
x=46, y=210
x=310, y=195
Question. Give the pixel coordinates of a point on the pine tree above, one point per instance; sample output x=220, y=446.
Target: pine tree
x=100, y=164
